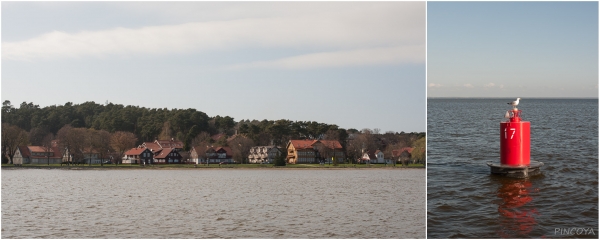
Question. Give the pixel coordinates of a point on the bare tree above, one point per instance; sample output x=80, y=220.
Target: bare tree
x=46, y=143
x=354, y=150
x=389, y=152
x=203, y=137
x=332, y=135
x=121, y=142
x=12, y=138
x=241, y=148
x=201, y=148
x=102, y=145
x=63, y=140
x=376, y=130
x=73, y=141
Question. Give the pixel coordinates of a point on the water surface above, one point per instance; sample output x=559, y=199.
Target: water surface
x=465, y=201
x=213, y=203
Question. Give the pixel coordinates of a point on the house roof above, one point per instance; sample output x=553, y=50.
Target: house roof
x=302, y=144
x=169, y=143
x=308, y=144
x=216, y=149
x=397, y=153
x=135, y=151
x=164, y=152
x=154, y=147
x=226, y=149
x=24, y=151
x=38, y=149
x=371, y=155
x=331, y=143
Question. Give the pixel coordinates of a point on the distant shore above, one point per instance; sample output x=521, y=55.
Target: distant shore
x=211, y=166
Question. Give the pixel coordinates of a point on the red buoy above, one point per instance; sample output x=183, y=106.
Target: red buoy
x=514, y=140
x=515, y=147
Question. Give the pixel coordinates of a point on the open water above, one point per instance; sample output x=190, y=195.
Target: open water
x=465, y=201
x=215, y=203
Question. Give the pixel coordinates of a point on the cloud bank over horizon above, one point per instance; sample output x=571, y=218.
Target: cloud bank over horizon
x=376, y=36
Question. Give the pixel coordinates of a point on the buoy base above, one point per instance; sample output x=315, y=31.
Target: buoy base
x=523, y=171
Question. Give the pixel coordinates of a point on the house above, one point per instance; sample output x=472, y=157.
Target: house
x=157, y=145
x=91, y=155
x=402, y=154
x=168, y=156
x=198, y=154
x=373, y=157
x=313, y=151
x=87, y=155
x=138, y=155
x=219, y=155
x=263, y=154
x=37, y=155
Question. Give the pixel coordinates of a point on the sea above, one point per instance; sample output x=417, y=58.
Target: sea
x=465, y=201
x=213, y=203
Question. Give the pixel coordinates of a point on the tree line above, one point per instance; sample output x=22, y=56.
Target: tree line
x=30, y=124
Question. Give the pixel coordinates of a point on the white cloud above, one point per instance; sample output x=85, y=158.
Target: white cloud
x=468, y=85
x=489, y=85
x=350, y=29
x=373, y=56
x=434, y=85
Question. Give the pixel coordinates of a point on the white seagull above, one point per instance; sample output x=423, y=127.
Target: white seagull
x=514, y=103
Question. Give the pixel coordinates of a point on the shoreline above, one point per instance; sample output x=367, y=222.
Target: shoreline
x=206, y=168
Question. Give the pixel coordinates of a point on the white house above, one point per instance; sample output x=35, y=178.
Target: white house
x=263, y=154
x=373, y=157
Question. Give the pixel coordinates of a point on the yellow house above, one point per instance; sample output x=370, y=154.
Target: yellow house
x=314, y=151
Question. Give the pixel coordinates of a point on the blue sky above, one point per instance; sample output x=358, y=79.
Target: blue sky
x=512, y=49
x=355, y=64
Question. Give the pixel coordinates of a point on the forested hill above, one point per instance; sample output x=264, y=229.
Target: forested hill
x=149, y=124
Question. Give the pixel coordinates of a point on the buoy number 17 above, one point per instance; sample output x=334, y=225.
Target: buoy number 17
x=511, y=135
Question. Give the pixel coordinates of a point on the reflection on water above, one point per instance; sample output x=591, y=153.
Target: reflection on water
x=517, y=218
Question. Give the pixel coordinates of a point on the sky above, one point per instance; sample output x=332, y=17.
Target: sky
x=354, y=64
x=512, y=49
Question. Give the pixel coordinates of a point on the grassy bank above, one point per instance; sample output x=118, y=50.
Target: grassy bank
x=192, y=166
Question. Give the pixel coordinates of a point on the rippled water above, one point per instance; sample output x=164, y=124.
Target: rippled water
x=465, y=201
x=217, y=203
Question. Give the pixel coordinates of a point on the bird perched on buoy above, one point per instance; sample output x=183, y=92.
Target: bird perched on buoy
x=514, y=103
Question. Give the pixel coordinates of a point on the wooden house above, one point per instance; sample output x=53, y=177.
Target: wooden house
x=138, y=155
x=314, y=151
x=37, y=155
x=219, y=155
x=168, y=156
